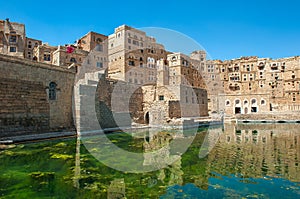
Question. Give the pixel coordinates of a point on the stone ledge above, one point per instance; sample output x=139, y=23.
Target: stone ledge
x=23, y=61
x=35, y=137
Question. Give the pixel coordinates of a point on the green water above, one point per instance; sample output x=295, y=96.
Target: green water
x=243, y=161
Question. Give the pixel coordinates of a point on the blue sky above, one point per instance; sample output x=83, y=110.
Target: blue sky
x=226, y=29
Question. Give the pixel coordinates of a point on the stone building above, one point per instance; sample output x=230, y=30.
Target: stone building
x=68, y=59
x=97, y=46
x=12, y=38
x=180, y=90
x=132, y=55
x=43, y=53
x=30, y=44
x=258, y=85
x=209, y=70
x=34, y=97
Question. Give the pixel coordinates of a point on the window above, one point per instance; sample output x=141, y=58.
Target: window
x=129, y=41
x=52, y=91
x=13, y=38
x=227, y=103
x=47, y=57
x=135, y=42
x=237, y=101
x=73, y=60
x=131, y=63
x=99, y=64
x=253, y=101
x=99, y=40
x=161, y=97
x=99, y=47
x=12, y=49
x=262, y=102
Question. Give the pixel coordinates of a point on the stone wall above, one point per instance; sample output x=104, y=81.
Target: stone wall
x=174, y=109
x=25, y=103
x=23, y=106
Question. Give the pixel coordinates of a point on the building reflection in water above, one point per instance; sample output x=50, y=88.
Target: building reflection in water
x=258, y=150
x=241, y=150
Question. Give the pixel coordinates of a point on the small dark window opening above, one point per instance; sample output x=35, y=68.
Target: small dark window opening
x=47, y=57
x=13, y=38
x=253, y=109
x=52, y=91
x=12, y=49
x=161, y=97
x=131, y=63
x=237, y=110
x=73, y=60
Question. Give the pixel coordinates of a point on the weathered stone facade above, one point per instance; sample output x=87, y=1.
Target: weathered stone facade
x=35, y=97
x=272, y=84
x=43, y=53
x=132, y=55
x=29, y=53
x=12, y=38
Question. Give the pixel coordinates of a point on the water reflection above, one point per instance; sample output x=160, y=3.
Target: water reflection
x=258, y=150
x=244, y=160
x=240, y=153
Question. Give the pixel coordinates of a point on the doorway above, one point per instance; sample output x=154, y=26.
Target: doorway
x=237, y=110
x=147, y=118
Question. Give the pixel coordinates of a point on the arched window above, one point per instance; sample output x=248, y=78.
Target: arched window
x=227, y=103
x=52, y=91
